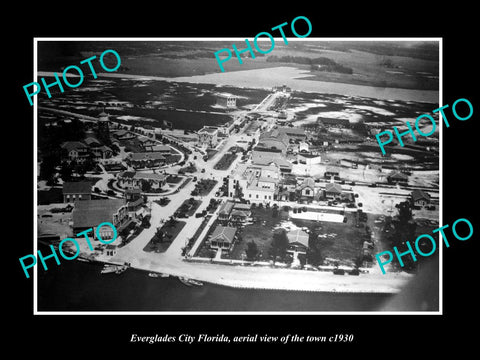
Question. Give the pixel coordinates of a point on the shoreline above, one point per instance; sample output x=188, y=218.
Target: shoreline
x=278, y=279
x=291, y=76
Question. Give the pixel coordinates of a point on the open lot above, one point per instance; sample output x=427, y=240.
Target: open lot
x=336, y=240
x=261, y=232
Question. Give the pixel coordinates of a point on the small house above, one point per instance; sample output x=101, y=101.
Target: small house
x=111, y=250
x=420, y=198
x=397, y=177
x=76, y=150
x=307, y=188
x=222, y=237
x=225, y=210
x=333, y=190
x=297, y=241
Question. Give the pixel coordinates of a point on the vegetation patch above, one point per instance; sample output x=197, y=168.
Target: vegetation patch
x=165, y=236
x=225, y=161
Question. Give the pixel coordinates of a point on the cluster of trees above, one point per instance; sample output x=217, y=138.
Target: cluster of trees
x=203, y=187
x=404, y=229
x=53, y=156
x=319, y=63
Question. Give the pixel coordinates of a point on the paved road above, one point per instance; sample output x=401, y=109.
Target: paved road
x=174, y=251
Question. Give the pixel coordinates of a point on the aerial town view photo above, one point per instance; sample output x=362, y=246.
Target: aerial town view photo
x=166, y=184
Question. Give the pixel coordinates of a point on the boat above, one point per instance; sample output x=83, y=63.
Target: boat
x=109, y=269
x=117, y=269
x=83, y=259
x=156, y=275
x=121, y=269
x=189, y=282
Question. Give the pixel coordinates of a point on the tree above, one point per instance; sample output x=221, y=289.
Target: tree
x=404, y=231
x=172, y=221
x=314, y=255
x=404, y=212
x=66, y=170
x=145, y=185
x=145, y=222
x=275, y=212
x=47, y=168
x=159, y=235
x=211, y=254
x=279, y=245
x=251, y=251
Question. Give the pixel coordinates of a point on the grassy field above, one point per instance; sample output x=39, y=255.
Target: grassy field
x=204, y=186
x=261, y=232
x=342, y=241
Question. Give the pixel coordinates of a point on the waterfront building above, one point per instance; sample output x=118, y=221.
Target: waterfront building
x=76, y=191
x=89, y=214
x=223, y=237
x=297, y=241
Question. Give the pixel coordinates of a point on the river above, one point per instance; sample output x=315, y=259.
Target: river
x=292, y=77
x=77, y=286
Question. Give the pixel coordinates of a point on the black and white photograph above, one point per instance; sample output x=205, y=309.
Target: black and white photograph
x=221, y=180
x=276, y=178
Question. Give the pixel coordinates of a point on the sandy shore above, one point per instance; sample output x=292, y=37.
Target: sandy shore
x=263, y=277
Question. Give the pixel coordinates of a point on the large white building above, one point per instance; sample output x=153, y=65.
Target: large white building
x=208, y=136
x=256, y=183
x=227, y=100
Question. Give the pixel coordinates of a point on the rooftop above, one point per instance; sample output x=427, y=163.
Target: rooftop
x=160, y=148
x=90, y=213
x=146, y=156
x=226, y=208
x=225, y=95
x=73, y=145
x=298, y=236
x=243, y=213
x=420, y=194
x=77, y=187
x=241, y=206
x=150, y=176
x=333, y=187
x=139, y=175
x=208, y=129
x=266, y=158
x=224, y=233
x=307, y=182
x=397, y=175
